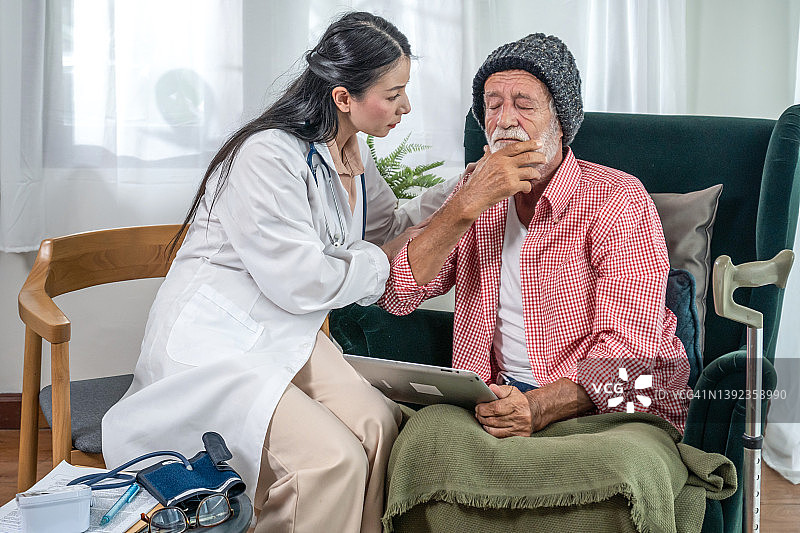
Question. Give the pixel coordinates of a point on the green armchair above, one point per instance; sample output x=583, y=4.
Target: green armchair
x=757, y=162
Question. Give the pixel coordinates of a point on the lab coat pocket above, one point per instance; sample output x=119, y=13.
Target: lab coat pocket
x=211, y=327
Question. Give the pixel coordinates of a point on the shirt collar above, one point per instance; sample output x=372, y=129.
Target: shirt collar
x=563, y=185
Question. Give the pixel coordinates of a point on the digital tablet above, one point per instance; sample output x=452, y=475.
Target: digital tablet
x=422, y=384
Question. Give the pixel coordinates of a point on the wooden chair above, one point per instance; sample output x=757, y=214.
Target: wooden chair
x=66, y=264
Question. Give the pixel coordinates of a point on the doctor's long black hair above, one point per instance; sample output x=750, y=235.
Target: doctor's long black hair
x=353, y=53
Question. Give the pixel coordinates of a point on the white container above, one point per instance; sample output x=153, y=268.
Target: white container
x=60, y=510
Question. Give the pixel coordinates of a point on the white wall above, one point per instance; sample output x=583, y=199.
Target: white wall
x=740, y=63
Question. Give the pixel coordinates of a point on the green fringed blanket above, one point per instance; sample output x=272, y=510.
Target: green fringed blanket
x=613, y=472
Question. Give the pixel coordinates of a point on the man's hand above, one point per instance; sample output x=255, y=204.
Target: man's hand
x=499, y=176
x=494, y=178
x=513, y=413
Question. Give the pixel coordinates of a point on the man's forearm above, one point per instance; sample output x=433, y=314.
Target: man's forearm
x=496, y=177
x=430, y=249
x=559, y=400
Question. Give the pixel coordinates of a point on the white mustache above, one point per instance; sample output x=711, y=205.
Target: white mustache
x=514, y=132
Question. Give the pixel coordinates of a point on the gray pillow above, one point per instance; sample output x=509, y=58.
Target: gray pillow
x=688, y=222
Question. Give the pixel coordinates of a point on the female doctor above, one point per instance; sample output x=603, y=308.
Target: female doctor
x=280, y=233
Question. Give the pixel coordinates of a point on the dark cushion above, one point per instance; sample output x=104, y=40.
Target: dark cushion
x=680, y=299
x=89, y=400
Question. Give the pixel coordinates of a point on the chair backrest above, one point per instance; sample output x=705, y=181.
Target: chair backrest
x=63, y=265
x=755, y=160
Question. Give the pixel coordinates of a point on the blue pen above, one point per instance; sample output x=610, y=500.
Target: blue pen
x=125, y=499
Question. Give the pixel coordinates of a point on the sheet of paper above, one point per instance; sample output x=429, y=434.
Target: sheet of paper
x=102, y=500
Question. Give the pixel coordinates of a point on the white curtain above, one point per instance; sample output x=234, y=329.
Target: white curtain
x=21, y=87
x=111, y=110
x=631, y=54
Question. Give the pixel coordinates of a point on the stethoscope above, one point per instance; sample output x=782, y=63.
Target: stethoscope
x=338, y=238
x=114, y=479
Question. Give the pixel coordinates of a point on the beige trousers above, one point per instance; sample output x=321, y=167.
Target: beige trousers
x=326, y=451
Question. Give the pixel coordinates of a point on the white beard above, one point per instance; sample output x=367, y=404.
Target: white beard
x=500, y=138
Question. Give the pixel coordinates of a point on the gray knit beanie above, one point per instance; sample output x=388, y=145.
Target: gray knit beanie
x=547, y=58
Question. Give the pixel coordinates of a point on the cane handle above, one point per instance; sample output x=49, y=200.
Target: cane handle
x=728, y=277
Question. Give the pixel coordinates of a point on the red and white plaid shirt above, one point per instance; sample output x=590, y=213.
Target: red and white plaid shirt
x=593, y=273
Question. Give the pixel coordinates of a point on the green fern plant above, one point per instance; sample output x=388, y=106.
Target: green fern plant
x=401, y=178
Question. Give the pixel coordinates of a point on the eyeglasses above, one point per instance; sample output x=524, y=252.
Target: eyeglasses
x=212, y=510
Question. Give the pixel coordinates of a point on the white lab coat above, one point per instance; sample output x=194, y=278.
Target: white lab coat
x=237, y=315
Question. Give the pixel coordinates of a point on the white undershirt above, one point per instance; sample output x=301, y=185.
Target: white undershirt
x=509, y=334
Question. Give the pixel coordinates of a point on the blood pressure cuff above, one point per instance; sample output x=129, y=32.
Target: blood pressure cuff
x=171, y=483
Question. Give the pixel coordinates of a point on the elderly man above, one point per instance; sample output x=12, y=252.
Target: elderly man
x=560, y=265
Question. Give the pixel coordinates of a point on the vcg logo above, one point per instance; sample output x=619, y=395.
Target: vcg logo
x=645, y=381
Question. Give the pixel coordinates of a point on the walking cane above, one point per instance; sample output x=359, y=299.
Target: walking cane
x=726, y=279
